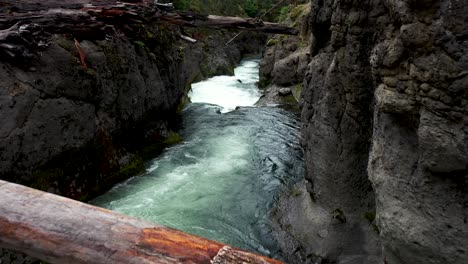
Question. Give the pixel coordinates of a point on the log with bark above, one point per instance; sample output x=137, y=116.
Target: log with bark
x=25, y=24
x=59, y=230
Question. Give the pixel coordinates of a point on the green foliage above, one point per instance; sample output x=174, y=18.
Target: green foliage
x=251, y=8
x=284, y=12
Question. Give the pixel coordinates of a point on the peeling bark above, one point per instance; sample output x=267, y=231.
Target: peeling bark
x=59, y=230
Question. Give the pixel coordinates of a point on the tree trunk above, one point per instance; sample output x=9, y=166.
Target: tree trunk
x=59, y=230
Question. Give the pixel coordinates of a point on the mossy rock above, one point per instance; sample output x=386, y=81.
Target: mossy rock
x=139, y=43
x=370, y=216
x=154, y=149
x=264, y=82
x=272, y=42
x=135, y=167
x=66, y=44
x=172, y=139
x=339, y=215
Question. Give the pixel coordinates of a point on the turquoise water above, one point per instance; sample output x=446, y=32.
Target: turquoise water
x=221, y=182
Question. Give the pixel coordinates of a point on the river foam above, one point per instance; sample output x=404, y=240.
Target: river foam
x=221, y=182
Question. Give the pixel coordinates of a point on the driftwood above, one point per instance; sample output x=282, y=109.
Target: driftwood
x=24, y=24
x=59, y=230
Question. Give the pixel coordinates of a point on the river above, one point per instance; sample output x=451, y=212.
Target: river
x=222, y=181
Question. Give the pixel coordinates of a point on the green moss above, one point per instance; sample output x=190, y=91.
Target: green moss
x=298, y=90
x=289, y=100
x=376, y=228
x=272, y=42
x=339, y=215
x=298, y=10
x=66, y=44
x=264, y=82
x=172, y=139
x=139, y=43
x=370, y=216
x=297, y=192
x=156, y=148
x=135, y=167
x=182, y=104
x=181, y=52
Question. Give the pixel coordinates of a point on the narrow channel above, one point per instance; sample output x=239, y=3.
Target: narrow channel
x=222, y=181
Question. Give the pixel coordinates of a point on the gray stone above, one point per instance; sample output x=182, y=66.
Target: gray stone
x=408, y=139
x=284, y=91
x=415, y=34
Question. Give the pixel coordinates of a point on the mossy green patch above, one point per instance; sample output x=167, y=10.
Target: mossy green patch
x=151, y=150
x=66, y=44
x=135, y=167
x=139, y=43
x=297, y=192
x=172, y=139
x=370, y=216
x=272, y=42
x=297, y=91
x=376, y=228
x=181, y=52
x=264, y=82
x=289, y=100
x=339, y=215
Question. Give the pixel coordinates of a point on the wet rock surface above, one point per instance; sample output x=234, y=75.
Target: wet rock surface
x=130, y=91
x=385, y=128
x=76, y=131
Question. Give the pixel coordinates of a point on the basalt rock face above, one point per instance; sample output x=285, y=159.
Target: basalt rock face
x=418, y=162
x=63, y=123
x=75, y=130
x=285, y=60
x=385, y=133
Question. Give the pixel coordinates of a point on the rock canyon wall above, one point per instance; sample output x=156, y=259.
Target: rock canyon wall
x=385, y=125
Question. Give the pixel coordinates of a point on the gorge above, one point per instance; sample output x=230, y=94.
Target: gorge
x=382, y=87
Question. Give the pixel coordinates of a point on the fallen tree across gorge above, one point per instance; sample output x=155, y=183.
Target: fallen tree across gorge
x=59, y=230
x=23, y=23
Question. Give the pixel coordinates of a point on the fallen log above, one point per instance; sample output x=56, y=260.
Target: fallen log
x=188, y=19
x=88, y=19
x=59, y=230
